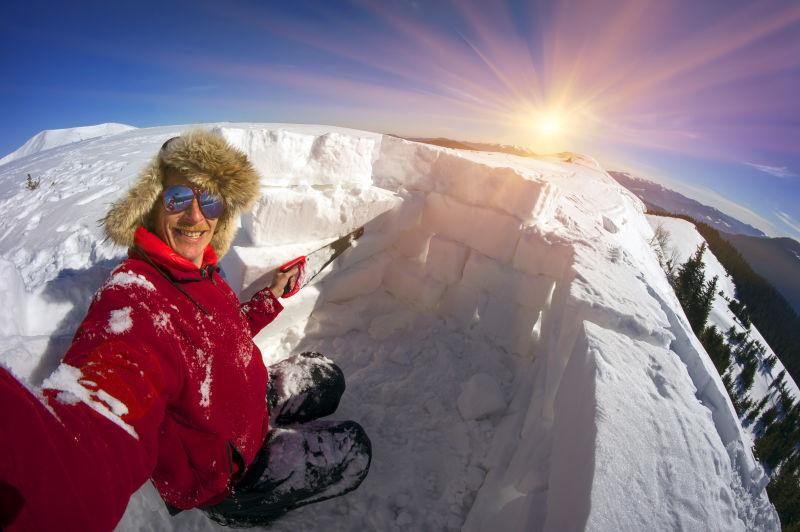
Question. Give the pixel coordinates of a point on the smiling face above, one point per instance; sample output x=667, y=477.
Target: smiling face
x=187, y=232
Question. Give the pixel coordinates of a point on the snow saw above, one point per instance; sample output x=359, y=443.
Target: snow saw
x=309, y=266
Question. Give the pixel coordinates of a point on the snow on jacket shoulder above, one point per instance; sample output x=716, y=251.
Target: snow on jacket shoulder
x=162, y=380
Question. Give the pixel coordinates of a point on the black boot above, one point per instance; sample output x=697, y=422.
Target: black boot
x=303, y=387
x=297, y=466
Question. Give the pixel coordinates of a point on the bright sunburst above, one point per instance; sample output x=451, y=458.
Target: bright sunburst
x=550, y=124
x=550, y=128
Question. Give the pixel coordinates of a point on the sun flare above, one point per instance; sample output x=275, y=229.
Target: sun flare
x=550, y=128
x=550, y=124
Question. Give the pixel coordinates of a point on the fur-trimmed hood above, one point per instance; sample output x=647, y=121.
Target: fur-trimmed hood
x=208, y=161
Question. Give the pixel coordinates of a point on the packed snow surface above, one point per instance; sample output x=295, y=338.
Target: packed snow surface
x=510, y=343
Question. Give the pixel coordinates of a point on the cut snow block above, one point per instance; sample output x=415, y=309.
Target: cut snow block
x=287, y=215
x=461, y=304
x=490, y=232
x=247, y=269
x=512, y=326
x=483, y=273
x=535, y=255
x=480, y=397
x=445, y=260
x=503, y=189
x=334, y=320
x=413, y=243
x=406, y=281
x=405, y=164
x=296, y=311
x=386, y=325
x=382, y=232
x=359, y=279
x=286, y=158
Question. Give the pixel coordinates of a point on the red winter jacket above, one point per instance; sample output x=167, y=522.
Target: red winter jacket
x=162, y=381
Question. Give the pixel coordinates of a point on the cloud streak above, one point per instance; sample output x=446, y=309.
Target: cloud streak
x=778, y=171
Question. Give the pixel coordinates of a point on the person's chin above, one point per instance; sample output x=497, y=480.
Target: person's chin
x=188, y=248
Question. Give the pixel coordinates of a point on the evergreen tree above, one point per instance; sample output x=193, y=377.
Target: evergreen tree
x=784, y=492
x=691, y=289
x=716, y=348
x=705, y=301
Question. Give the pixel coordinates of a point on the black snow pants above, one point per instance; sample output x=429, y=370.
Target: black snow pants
x=304, y=460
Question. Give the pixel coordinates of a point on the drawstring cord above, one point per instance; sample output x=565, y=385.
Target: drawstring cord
x=168, y=278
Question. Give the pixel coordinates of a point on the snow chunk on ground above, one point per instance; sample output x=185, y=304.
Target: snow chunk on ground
x=481, y=396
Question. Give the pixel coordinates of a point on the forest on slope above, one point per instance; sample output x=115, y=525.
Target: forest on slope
x=766, y=307
x=770, y=413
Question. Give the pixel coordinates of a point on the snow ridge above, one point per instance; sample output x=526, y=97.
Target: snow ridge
x=52, y=138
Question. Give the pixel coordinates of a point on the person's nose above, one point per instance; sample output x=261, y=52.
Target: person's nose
x=193, y=215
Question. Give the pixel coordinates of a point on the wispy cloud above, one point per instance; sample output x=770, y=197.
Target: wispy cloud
x=790, y=222
x=778, y=171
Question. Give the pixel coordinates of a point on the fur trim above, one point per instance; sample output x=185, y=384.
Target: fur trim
x=208, y=161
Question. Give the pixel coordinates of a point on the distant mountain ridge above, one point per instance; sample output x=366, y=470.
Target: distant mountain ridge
x=662, y=198
x=775, y=259
x=475, y=146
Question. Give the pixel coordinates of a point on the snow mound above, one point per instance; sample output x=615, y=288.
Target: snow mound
x=510, y=342
x=53, y=138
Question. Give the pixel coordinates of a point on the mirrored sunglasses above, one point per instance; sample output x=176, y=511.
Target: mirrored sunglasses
x=178, y=198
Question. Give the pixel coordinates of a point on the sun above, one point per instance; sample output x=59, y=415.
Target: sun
x=550, y=128
x=550, y=124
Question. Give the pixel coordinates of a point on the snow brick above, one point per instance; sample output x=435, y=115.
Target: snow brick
x=406, y=280
x=413, y=244
x=503, y=189
x=298, y=214
x=461, y=304
x=489, y=232
x=483, y=273
x=445, y=260
x=405, y=164
x=537, y=256
x=359, y=279
x=293, y=158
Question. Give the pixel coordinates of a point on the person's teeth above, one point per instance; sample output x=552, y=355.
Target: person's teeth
x=190, y=234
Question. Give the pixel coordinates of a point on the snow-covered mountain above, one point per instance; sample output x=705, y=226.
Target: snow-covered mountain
x=659, y=197
x=510, y=341
x=53, y=138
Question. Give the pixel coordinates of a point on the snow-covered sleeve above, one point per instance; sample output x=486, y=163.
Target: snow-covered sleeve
x=73, y=453
x=262, y=308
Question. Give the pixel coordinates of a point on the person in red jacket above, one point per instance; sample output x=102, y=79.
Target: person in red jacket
x=163, y=380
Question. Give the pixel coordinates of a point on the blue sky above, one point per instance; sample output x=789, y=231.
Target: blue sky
x=699, y=95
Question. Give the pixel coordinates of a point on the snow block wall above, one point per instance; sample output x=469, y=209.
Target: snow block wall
x=548, y=263
x=510, y=343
